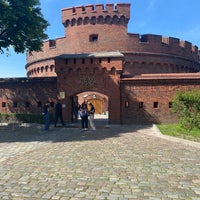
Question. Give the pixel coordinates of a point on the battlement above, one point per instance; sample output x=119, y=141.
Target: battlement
x=170, y=42
x=110, y=13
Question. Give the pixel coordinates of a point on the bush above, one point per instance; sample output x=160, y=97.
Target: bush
x=23, y=118
x=187, y=105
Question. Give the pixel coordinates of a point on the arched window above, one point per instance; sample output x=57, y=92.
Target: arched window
x=79, y=21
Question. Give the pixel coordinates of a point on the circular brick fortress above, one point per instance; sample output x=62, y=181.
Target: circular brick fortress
x=103, y=28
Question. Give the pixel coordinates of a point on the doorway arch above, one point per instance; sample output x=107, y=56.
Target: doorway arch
x=99, y=100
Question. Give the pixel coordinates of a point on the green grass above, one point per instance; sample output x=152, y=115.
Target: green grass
x=177, y=131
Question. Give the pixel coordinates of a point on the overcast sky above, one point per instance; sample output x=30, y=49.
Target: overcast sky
x=174, y=18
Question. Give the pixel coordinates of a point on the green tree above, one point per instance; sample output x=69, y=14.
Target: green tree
x=22, y=25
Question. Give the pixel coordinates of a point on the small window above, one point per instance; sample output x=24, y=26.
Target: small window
x=52, y=43
x=126, y=104
x=66, y=61
x=100, y=60
x=141, y=104
x=170, y=104
x=73, y=10
x=155, y=104
x=108, y=60
x=27, y=104
x=3, y=104
x=74, y=61
x=83, y=61
x=91, y=60
x=93, y=38
x=15, y=104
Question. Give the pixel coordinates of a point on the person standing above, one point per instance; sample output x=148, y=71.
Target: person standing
x=46, y=116
x=58, y=113
x=84, y=116
x=91, y=116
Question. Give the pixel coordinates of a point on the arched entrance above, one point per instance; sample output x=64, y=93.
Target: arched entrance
x=100, y=102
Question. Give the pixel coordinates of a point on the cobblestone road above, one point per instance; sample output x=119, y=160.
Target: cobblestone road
x=116, y=163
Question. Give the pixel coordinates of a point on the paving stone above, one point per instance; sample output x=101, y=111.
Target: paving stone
x=119, y=162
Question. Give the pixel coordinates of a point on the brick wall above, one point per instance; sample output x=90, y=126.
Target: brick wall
x=149, y=99
x=22, y=95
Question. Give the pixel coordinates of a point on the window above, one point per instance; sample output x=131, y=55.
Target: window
x=155, y=104
x=91, y=60
x=83, y=61
x=170, y=104
x=93, y=38
x=100, y=60
x=3, y=104
x=74, y=61
x=108, y=60
x=126, y=104
x=66, y=61
x=141, y=104
x=73, y=10
x=52, y=43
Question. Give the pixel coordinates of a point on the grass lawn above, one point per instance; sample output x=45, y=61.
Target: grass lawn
x=177, y=131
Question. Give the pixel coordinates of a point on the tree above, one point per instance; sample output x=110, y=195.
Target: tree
x=22, y=25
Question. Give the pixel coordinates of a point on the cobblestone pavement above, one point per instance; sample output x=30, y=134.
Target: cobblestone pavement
x=111, y=163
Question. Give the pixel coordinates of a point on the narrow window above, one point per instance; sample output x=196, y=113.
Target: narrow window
x=155, y=104
x=66, y=61
x=73, y=10
x=15, y=104
x=93, y=38
x=74, y=61
x=108, y=60
x=83, y=61
x=100, y=60
x=126, y=104
x=141, y=104
x=83, y=9
x=52, y=43
x=91, y=60
x=3, y=104
x=170, y=104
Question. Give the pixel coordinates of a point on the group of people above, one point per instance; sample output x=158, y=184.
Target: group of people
x=85, y=114
x=58, y=114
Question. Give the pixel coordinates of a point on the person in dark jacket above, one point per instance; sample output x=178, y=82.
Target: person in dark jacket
x=84, y=116
x=58, y=113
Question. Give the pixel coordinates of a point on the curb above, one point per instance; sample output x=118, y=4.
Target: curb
x=175, y=139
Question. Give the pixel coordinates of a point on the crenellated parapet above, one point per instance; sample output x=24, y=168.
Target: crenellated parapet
x=118, y=14
x=163, y=45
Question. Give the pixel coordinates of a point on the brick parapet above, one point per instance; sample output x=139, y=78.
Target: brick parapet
x=75, y=15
